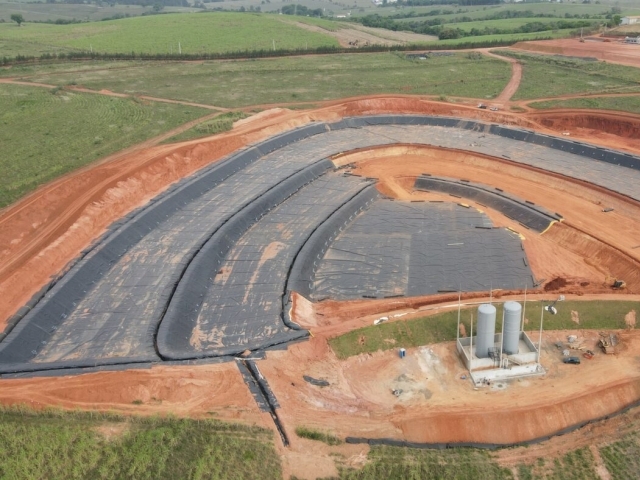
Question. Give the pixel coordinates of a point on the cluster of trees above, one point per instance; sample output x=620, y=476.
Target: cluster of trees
x=531, y=27
x=245, y=54
x=436, y=27
x=18, y=18
x=301, y=10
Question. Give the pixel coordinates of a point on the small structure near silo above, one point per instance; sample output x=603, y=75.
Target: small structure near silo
x=492, y=356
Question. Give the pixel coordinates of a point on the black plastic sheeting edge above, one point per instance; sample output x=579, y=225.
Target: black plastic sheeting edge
x=56, y=370
x=583, y=149
x=489, y=446
x=265, y=394
x=537, y=218
x=197, y=277
x=302, y=270
x=252, y=384
x=73, y=364
x=315, y=381
x=489, y=189
x=300, y=257
x=124, y=363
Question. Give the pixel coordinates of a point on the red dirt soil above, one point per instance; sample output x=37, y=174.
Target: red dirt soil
x=613, y=52
x=201, y=391
x=616, y=123
x=436, y=404
x=47, y=229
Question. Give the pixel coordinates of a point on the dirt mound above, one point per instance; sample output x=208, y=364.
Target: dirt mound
x=620, y=124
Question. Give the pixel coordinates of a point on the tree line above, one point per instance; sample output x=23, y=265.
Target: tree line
x=245, y=54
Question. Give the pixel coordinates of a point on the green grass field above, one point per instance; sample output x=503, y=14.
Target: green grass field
x=41, y=12
x=482, y=11
x=45, y=134
x=234, y=84
x=442, y=327
x=508, y=37
x=219, y=124
x=57, y=445
x=550, y=76
x=326, y=24
x=54, y=444
x=624, y=104
x=191, y=33
x=622, y=458
x=575, y=465
x=407, y=463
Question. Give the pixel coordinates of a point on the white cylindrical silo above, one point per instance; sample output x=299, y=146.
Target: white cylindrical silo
x=512, y=317
x=486, y=330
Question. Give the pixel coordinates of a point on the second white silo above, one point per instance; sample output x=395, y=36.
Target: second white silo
x=486, y=330
x=512, y=317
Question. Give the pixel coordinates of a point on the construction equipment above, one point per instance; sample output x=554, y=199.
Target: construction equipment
x=607, y=343
x=615, y=283
x=619, y=284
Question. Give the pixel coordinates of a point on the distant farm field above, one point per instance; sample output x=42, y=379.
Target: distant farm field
x=234, y=84
x=45, y=134
x=41, y=12
x=187, y=33
x=508, y=37
x=483, y=11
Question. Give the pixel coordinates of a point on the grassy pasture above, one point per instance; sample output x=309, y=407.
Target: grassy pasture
x=622, y=458
x=40, y=12
x=624, y=104
x=577, y=464
x=442, y=327
x=191, y=33
x=507, y=37
x=407, y=463
x=550, y=76
x=57, y=445
x=46, y=134
x=219, y=124
x=329, y=25
x=483, y=11
x=234, y=84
